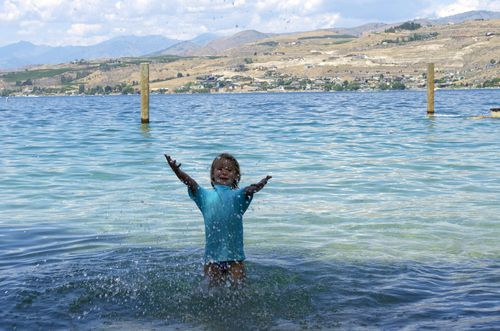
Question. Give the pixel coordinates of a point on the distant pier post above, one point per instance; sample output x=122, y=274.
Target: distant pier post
x=430, y=88
x=144, y=92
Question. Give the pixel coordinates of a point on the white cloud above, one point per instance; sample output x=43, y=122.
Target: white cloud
x=290, y=23
x=9, y=12
x=41, y=9
x=31, y=26
x=461, y=6
x=288, y=6
x=80, y=29
x=85, y=21
x=312, y=6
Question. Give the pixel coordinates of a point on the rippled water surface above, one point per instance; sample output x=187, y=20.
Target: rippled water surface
x=377, y=216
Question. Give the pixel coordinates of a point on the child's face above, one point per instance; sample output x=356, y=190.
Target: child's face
x=225, y=173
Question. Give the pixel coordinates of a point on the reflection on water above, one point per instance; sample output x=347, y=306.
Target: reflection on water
x=146, y=130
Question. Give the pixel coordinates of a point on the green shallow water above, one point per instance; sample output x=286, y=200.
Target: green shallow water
x=377, y=215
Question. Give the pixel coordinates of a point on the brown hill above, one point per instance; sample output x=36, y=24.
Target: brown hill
x=182, y=48
x=233, y=41
x=465, y=55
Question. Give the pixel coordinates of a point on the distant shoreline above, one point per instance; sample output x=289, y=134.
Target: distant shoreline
x=250, y=92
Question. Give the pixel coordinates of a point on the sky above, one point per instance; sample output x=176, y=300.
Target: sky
x=87, y=22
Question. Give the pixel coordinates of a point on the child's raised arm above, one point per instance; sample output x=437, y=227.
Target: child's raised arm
x=183, y=177
x=254, y=188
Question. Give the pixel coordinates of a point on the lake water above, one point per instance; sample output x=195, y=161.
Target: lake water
x=377, y=216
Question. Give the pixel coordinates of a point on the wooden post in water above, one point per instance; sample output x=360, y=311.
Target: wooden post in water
x=144, y=92
x=430, y=88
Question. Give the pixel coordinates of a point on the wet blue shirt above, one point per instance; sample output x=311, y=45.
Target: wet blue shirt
x=222, y=208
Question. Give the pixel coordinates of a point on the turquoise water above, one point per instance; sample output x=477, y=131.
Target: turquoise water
x=377, y=216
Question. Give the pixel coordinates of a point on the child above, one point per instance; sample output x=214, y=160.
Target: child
x=222, y=207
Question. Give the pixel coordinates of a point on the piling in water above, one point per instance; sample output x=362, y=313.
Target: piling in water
x=144, y=92
x=430, y=88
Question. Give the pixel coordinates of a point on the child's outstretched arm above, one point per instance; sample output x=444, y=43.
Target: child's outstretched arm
x=183, y=177
x=254, y=188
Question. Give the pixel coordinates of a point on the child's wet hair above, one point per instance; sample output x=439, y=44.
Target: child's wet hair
x=232, y=159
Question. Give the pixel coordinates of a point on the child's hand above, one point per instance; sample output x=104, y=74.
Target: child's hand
x=183, y=177
x=172, y=163
x=254, y=188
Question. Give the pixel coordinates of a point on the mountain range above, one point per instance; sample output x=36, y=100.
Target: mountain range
x=24, y=53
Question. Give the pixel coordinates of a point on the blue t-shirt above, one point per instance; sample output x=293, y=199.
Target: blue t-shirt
x=222, y=208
